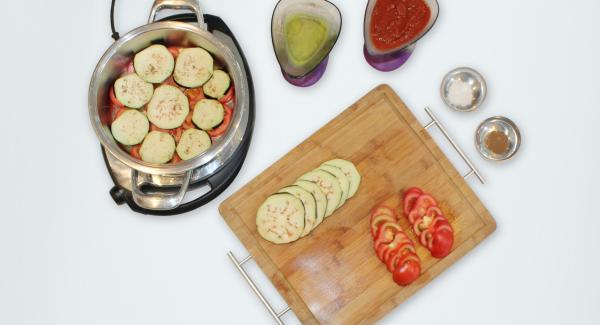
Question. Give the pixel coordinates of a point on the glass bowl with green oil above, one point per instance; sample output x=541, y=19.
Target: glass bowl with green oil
x=303, y=33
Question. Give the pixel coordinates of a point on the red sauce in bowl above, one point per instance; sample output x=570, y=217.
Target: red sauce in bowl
x=397, y=22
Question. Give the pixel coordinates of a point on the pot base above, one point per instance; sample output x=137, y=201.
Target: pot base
x=388, y=62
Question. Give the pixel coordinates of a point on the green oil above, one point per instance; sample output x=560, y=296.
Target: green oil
x=305, y=36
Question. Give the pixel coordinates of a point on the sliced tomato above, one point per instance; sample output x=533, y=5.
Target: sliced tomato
x=113, y=98
x=425, y=238
x=376, y=221
x=119, y=112
x=441, y=243
x=386, y=233
x=135, y=151
x=175, y=158
x=417, y=226
x=397, y=246
x=187, y=123
x=406, y=272
x=444, y=226
x=413, y=215
x=396, y=256
x=423, y=202
x=176, y=133
x=174, y=50
x=380, y=251
x=433, y=212
x=410, y=197
x=194, y=95
x=228, y=97
x=220, y=130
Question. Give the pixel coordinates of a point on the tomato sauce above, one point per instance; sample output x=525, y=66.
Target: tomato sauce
x=397, y=22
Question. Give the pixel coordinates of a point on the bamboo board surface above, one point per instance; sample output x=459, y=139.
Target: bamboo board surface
x=332, y=276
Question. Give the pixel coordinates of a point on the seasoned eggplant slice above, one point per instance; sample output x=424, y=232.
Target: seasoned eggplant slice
x=280, y=219
x=217, y=85
x=208, y=113
x=192, y=143
x=193, y=67
x=132, y=91
x=329, y=185
x=339, y=175
x=154, y=64
x=130, y=127
x=168, y=107
x=310, y=206
x=350, y=171
x=158, y=147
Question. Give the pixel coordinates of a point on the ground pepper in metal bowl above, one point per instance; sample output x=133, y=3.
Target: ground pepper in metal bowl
x=497, y=142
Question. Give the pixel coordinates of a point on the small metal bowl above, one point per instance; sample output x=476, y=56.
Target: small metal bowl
x=501, y=124
x=473, y=79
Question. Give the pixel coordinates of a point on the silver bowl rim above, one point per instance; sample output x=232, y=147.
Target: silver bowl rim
x=514, y=128
x=476, y=75
x=234, y=134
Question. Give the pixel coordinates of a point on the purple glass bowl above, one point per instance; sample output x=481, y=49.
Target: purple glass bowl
x=310, y=72
x=388, y=62
x=309, y=79
x=392, y=59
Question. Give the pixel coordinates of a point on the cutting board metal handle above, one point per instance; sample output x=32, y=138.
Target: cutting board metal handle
x=435, y=121
x=240, y=267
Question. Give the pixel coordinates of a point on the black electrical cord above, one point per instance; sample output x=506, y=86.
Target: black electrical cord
x=115, y=34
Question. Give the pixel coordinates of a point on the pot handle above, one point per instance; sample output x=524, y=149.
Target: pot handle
x=158, y=201
x=192, y=5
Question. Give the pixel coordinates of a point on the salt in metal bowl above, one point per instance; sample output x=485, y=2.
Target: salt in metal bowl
x=501, y=124
x=475, y=82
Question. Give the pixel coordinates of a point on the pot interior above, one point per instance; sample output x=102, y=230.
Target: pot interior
x=116, y=61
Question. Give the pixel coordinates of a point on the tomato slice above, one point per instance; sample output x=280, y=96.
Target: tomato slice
x=425, y=238
x=219, y=130
x=113, y=98
x=433, y=212
x=194, y=95
x=386, y=233
x=423, y=202
x=406, y=272
x=380, y=251
x=174, y=51
x=176, y=133
x=377, y=220
x=396, y=246
x=175, y=158
x=228, y=97
x=135, y=151
x=410, y=197
x=413, y=215
x=441, y=243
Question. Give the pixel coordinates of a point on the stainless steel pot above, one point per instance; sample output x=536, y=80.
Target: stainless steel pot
x=111, y=66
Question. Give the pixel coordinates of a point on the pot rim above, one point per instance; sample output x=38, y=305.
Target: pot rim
x=231, y=139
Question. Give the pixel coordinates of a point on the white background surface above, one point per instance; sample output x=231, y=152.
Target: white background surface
x=69, y=255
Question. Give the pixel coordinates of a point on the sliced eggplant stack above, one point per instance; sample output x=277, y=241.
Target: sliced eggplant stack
x=280, y=219
x=320, y=191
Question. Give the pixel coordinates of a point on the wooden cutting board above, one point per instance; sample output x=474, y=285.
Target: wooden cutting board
x=332, y=276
